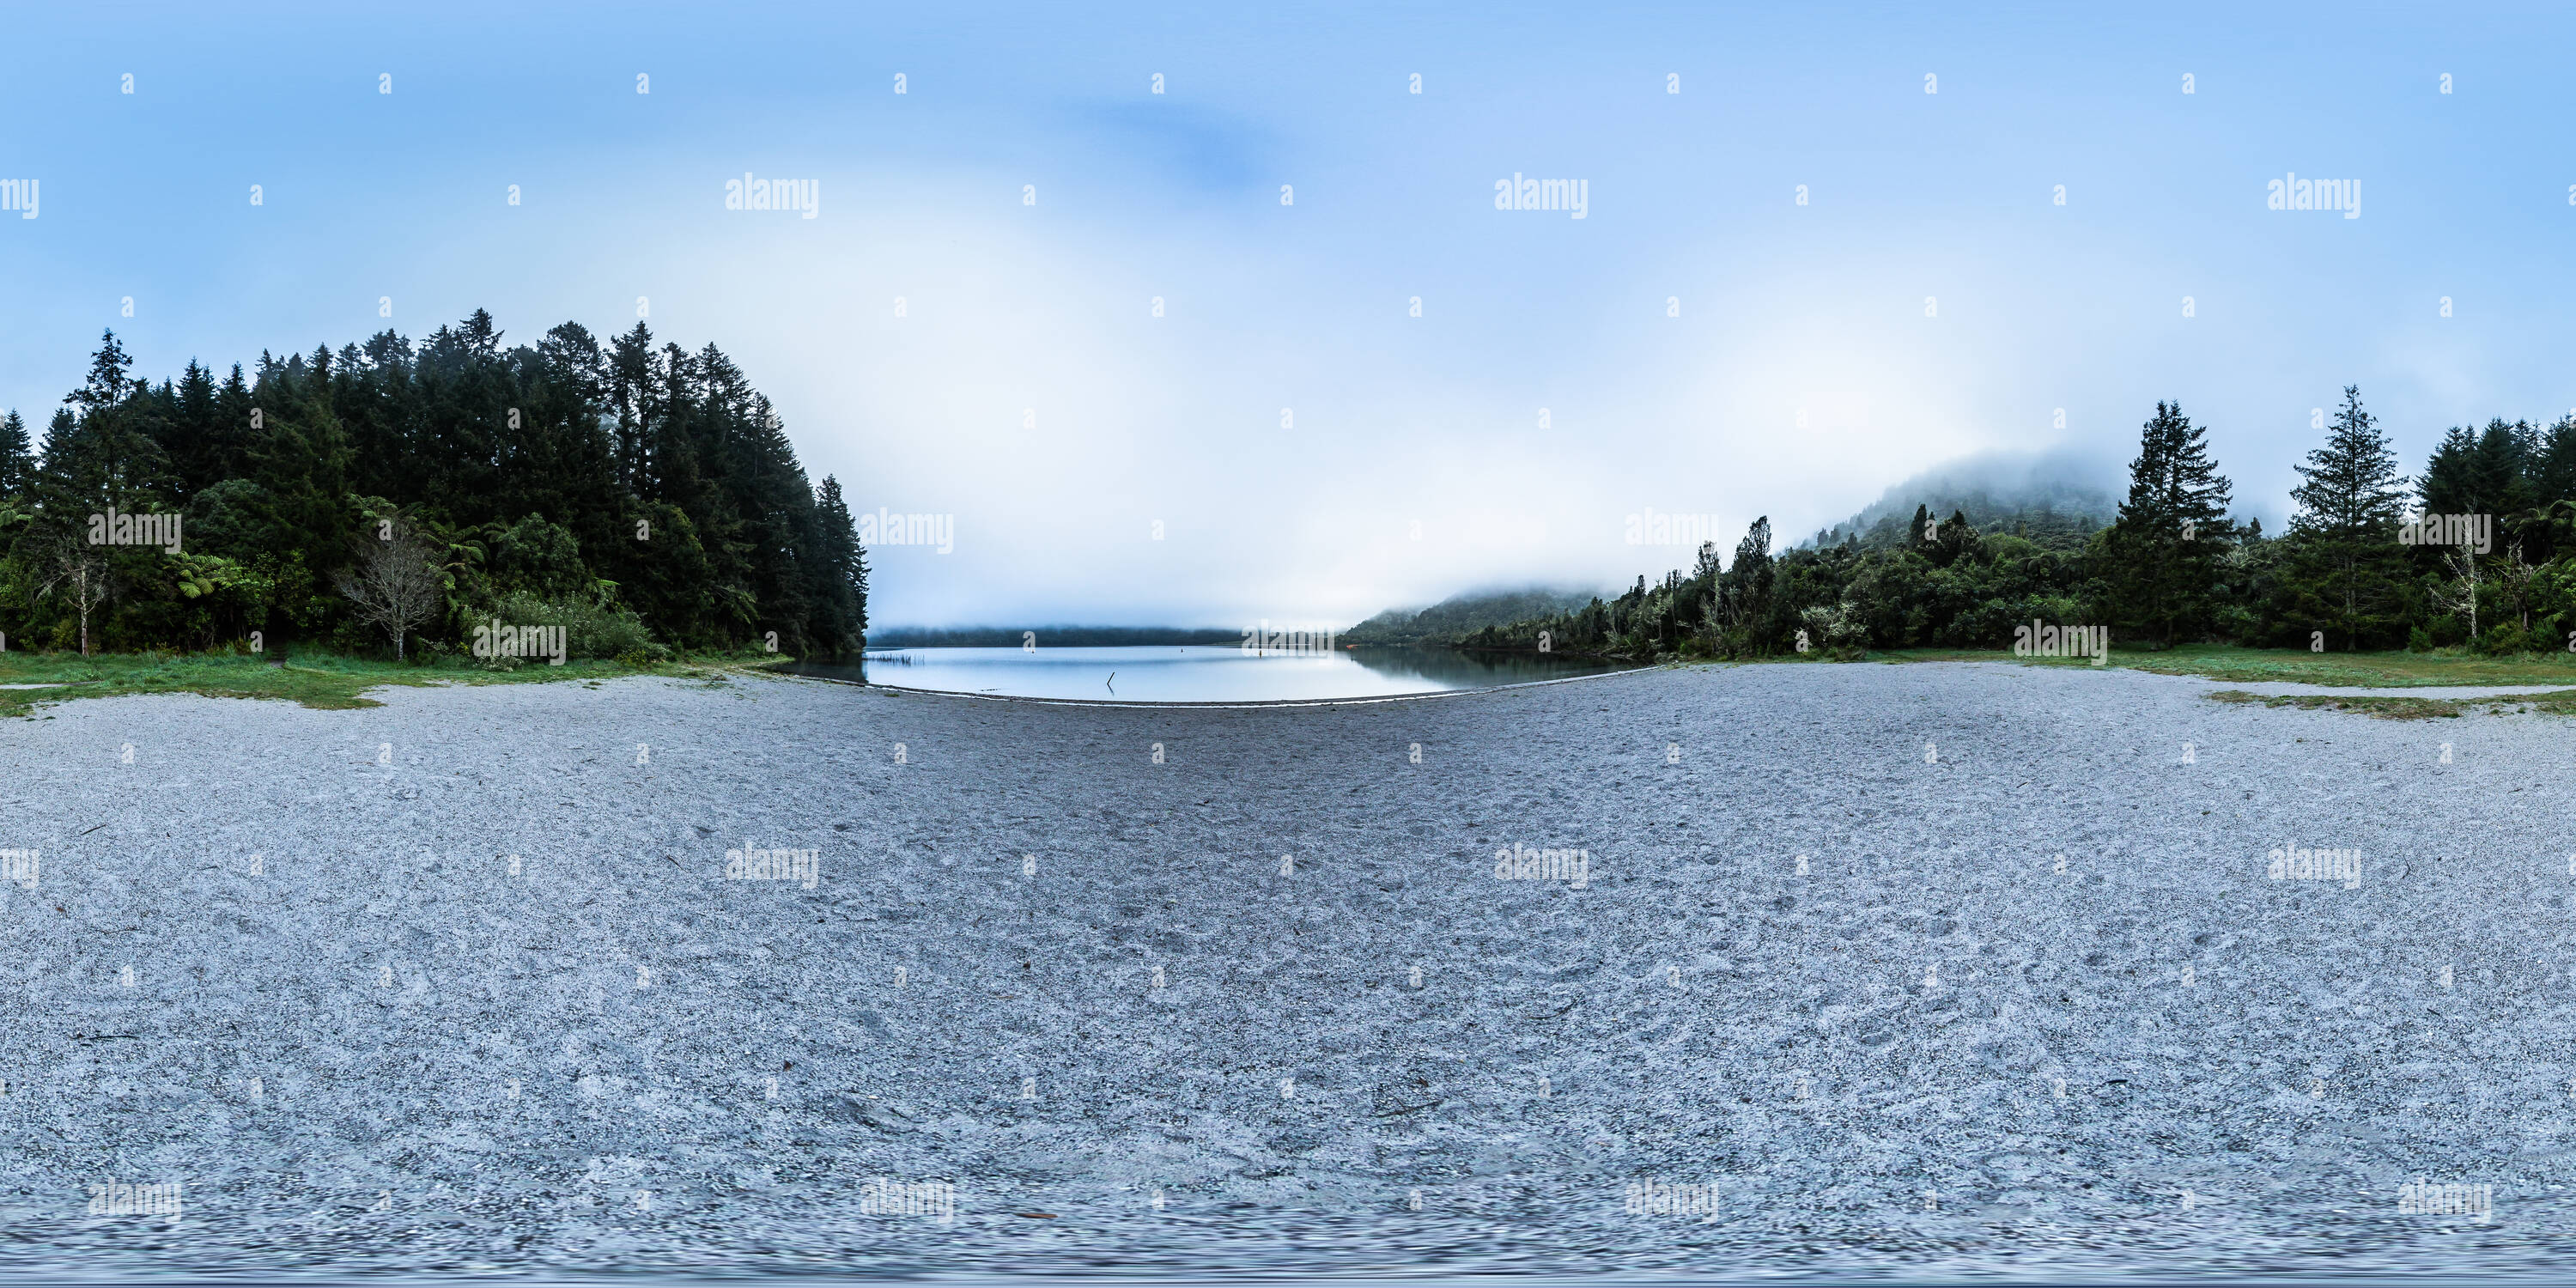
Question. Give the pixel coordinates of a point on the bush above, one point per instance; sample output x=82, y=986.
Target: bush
x=2549, y=631
x=2504, y=638
x=351, y=638
x=1834, y=626
x=645, y=657
x=590, y=629
x=2239, y=624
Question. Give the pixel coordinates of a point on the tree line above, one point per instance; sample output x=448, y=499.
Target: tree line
x=2355, y=570
x=395, y=495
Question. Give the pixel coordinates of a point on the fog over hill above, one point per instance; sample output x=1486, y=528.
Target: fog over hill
x=2055, y=496
x=1462, y=613
x=2064, y=489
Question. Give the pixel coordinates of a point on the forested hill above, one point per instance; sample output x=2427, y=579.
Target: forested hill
x=2048, y=500
x=618, y=488
x=1459, y=614
x=2477, y=551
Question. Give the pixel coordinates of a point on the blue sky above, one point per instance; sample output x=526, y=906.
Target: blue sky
x=1016, y=312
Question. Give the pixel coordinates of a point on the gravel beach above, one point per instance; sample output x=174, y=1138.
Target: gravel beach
x=1927, y=970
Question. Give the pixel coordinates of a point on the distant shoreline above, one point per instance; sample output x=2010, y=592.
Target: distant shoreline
x=1049, y=636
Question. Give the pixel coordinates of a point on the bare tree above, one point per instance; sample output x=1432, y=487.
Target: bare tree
x=2461, y=592
x=395, y=580
x=2513, y=583
x=80, y=569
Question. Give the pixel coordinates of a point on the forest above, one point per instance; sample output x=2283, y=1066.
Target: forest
x=2354, y=569
x=392, y=497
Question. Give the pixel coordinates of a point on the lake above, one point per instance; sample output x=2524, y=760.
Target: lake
x=1197, y=672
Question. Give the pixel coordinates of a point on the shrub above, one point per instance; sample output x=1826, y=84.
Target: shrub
x=2504, y=638
x=1838, y=631
x=1830, y=626
x=590, y=629
x=2550, y=630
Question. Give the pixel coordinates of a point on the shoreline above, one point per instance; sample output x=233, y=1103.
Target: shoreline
x=1219, y=704
x=2263, y=688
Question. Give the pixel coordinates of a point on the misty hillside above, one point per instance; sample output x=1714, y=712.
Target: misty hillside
x=2055, y=498
x=1461, y=614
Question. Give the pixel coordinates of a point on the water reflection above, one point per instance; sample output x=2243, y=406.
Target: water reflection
x=1196, y=672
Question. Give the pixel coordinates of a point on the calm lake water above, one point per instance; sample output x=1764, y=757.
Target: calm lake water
x=1197, y=672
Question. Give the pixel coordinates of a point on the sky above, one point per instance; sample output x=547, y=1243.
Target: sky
x=967, y=326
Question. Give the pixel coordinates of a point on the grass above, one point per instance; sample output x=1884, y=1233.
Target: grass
x=2442, y=668
x=2393, y=670
x=2562, y=702
x=323, y=681
x=2383, y=708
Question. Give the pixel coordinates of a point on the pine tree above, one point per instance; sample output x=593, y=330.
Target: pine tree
x=842, y=624
x=2553, y=464
x=2499, y=466
x=1707, y=564
x=300, y=459
x=2163, y=549
x=2448, y=484
x=666, y=471
x=107, y=384
x=233, y=406
x=633, y=384
x=2345, y=554
x=17, y=458
x=2483, y=472
x=101, y=455
x=59, y=435
x=1744, y=590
